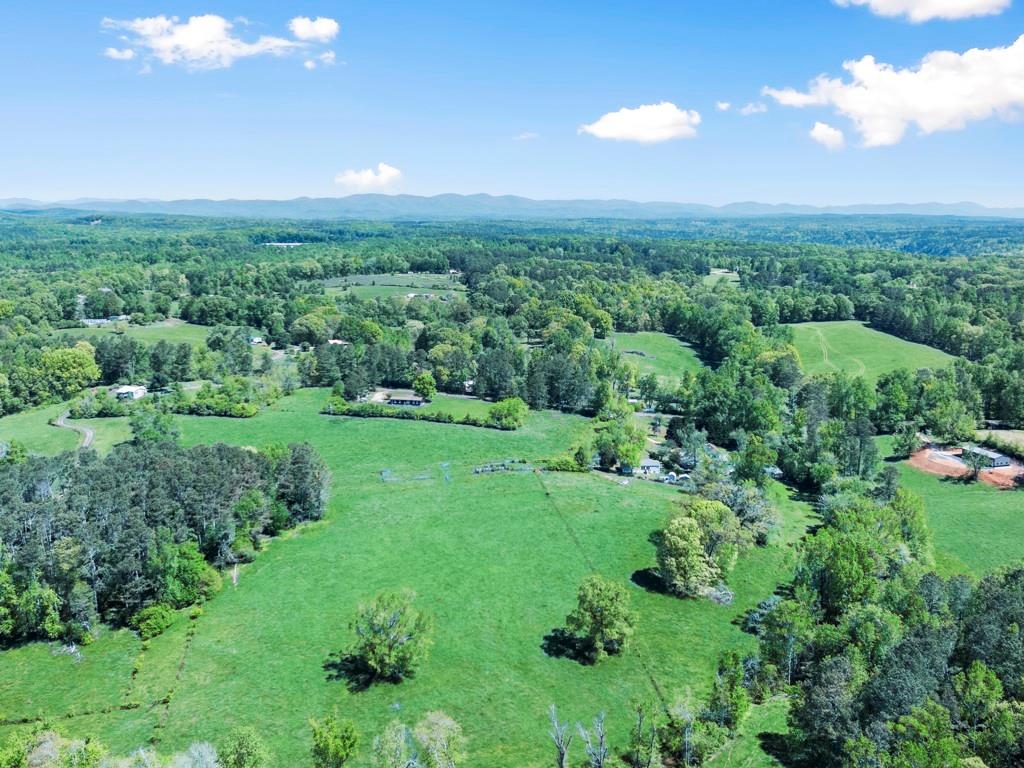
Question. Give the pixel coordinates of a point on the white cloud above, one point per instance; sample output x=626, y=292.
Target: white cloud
x=384, y=176
x=945, y=92
x=327, y=58
x=723, y=106
x=829, y=137
x=926, y=10
x=119, y=54
x=309, y=64
x=527, y=136
x=202, y=42
x=648, y=124
x=318, y=30
x=753, y=109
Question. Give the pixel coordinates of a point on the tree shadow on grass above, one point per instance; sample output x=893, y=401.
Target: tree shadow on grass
x=562, y=644
x=350, y=668
x=651, y=580
x=780, y=746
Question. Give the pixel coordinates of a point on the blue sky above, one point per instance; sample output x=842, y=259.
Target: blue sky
x=443, y=93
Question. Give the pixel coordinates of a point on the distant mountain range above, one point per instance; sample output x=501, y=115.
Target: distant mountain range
x=451, y=206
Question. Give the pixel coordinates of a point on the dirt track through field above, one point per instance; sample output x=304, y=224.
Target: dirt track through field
x=823, y=342
x=87, y=433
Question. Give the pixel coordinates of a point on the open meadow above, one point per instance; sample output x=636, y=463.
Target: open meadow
x=659, y=353
x=496, y=558
x=976, y=527
x=384, y=286
x=852, y=347
x=172, y=330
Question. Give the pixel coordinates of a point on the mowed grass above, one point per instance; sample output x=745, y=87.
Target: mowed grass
x=852, y=347
x=33, y=430
x=496, y=558
x=718, y=275
x=384, y=286
x=172, y=330
x=665, y=356
x=975, y=527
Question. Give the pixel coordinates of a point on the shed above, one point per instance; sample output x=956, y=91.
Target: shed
x=990, y=458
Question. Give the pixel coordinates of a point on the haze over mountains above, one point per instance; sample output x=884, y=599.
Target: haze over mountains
x=483, y=206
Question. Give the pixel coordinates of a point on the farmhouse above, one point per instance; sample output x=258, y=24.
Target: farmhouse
x=990, y=458
x=410, y=400
x=649, y=468
x=256, y=340
x=646, y=468
x=129, y=392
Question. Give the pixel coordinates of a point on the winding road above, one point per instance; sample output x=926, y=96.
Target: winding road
x=87, y=433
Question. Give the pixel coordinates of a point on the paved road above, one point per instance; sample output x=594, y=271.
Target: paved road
x=87, y=433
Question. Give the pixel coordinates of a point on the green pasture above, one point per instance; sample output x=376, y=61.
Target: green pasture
x=496, y=558
x=852, y=347
x=665, y=356
x=385, y=286
x=173, y=330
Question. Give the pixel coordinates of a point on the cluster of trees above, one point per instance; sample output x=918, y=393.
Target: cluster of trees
x=676, y=734
x=699, y=546
x=508, y=414
x=891, y=665
x=436, y=741
x=84, y=538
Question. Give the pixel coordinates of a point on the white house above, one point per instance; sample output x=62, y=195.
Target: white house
x=129, y=392
x=649, y=468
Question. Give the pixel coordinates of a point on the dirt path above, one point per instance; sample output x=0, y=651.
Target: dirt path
x=825, y=347
x=87, y=433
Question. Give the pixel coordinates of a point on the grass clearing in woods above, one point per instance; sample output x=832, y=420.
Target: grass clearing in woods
x=497, y=559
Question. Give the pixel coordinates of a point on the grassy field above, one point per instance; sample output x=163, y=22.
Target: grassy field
x=173, y=330
x=496, y=558
x=850, y=346
x=383, y=286
x=32, y=429
x=975, y=526
x=657, y=353
x=721, y=275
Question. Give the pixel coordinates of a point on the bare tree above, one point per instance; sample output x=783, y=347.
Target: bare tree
x=561, y=735
x=596, y=744
x=643, y=741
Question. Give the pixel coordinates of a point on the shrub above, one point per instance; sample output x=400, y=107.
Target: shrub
x=153, y=620
x=244, y=749
x=334, y=742
x=509, y=413
x=392, y=637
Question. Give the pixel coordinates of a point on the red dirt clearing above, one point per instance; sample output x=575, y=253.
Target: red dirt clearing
x=947, y=463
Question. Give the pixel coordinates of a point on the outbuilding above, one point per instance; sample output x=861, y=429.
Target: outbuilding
x=130, y=392
x=414, y=401
x=989, y=458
